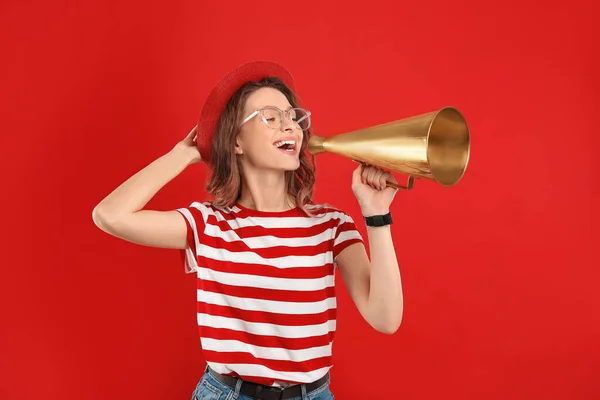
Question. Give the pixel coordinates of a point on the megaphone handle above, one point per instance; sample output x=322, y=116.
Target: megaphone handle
x=409, y=184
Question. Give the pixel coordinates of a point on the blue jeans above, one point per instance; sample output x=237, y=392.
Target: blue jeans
x=211, y=389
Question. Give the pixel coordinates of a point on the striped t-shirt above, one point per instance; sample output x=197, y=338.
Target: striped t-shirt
x=266, y=304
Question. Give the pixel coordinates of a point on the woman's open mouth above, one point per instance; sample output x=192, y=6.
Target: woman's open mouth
x=286, y=146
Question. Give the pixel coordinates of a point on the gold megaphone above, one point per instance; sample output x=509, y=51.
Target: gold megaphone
x=434, y=146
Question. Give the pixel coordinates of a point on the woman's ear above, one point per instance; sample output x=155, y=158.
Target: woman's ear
x=238, y=146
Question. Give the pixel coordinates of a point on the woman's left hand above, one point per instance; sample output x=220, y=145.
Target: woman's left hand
x=369, y=185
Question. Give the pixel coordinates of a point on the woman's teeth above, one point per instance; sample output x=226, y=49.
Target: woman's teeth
x=288, y=145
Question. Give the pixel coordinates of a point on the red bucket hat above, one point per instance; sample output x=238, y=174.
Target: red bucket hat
x=219, y=96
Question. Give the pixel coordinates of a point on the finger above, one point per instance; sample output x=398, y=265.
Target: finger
x=379, y=179
x=375, y=178
x=383, y=180
x=365, y=174
x=192, y=133
x=371, y=177
x=391, y=178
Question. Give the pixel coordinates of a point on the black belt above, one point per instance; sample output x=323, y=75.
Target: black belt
x=264, y=392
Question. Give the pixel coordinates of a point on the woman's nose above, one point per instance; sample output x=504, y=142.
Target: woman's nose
x=287, y=125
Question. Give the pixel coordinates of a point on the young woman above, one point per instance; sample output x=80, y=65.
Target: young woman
x=264, y=254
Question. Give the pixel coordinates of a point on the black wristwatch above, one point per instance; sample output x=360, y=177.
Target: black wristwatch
x=379, y=220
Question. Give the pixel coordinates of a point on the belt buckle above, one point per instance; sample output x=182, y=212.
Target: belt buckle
x=275, y=393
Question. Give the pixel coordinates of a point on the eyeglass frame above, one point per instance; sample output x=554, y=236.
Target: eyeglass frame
x=282, y=113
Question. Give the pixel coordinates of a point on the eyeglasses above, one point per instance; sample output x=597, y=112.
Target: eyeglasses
x=273, y=117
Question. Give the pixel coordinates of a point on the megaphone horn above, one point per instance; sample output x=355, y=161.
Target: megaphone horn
x=433, y=146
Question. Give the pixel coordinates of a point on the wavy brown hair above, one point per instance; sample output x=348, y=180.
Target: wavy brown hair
x=225, y=182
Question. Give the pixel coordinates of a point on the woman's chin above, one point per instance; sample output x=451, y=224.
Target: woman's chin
x=295, y=166
x=291, y=164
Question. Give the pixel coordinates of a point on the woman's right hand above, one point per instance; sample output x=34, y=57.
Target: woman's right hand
x=189, y=146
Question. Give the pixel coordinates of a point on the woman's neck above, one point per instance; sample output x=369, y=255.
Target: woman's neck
x=265, y=192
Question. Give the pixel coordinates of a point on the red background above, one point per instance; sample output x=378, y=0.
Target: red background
x=500, y=272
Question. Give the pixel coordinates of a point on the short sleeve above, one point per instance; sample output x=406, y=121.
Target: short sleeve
x=345, y=234
x=195, y=217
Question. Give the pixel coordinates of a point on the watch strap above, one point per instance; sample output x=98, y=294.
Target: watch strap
x=379, y=220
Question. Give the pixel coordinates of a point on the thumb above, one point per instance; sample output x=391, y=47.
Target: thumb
x=357, y=174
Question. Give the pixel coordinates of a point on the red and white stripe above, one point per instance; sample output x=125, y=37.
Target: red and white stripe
x=266, y=301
